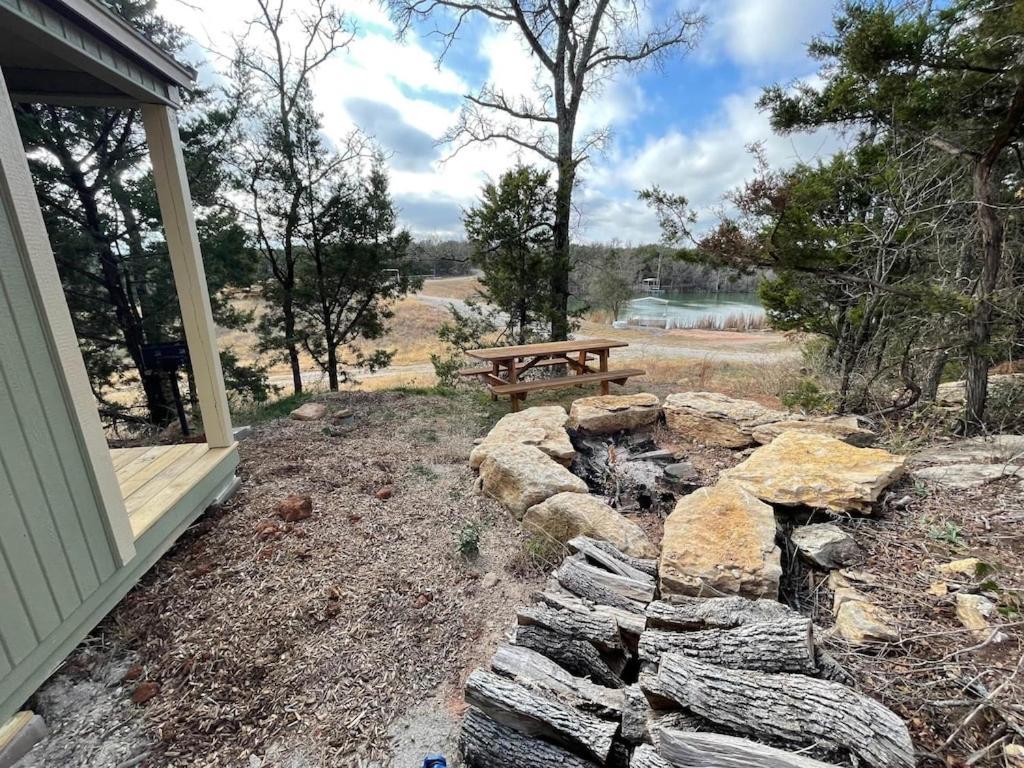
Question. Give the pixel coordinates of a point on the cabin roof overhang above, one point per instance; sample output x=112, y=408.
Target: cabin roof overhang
x=78, y=52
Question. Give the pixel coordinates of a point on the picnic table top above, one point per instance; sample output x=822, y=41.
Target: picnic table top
x=547, y=348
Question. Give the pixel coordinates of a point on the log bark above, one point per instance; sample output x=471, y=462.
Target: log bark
x=555, y=596
x=486, y=743
x=785, y=645
x=699, y=750
x=646, y=756
x=598, y=585
x=634, y=714
x=602, y=631
x=795, y=708
x=659, y=698
x=660, y=721
x=577, y=656
x=516, y=706
x=529, y=668
x=686, y=613
x=606, y=555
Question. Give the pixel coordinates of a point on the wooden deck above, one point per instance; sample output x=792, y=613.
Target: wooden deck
x=155, y=478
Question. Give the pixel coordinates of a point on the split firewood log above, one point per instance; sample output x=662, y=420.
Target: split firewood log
x=524, y=710
x=687, y=613
x=699, y=750
x=486, y=743
x=784, y=645
x=554, y=595
x=602, y=631
x=529, y=668
x=600, y=586
x=795, y=708
x=646, y=756
x=606, y=555
x=577, y=656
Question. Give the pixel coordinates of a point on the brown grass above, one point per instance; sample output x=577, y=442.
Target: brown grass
x=461, y=288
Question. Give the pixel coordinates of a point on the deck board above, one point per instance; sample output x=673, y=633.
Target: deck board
x=154, y=479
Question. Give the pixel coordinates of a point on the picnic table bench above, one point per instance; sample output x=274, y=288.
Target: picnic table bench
x=505, y=365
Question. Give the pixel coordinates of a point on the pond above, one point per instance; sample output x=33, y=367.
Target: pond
x=711, y=311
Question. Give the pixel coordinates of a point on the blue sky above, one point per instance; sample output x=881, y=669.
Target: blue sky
x=683, y=126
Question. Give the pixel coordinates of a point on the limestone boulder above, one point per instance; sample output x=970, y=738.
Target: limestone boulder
x=520, y=476
x=715, y=419
x=826, y=545
x=540, y=426
x=976, y=613
x=863, y=623
x=960, y=477
x=720, y=541
x=819, y=471
x=309, y=412
x=953, y=394
x=607, y=414
x=845, y=428
x=565, y=516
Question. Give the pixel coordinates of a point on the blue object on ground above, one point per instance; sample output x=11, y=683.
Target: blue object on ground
x=435, y=761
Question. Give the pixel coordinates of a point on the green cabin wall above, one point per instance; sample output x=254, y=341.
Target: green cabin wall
x=59, y=570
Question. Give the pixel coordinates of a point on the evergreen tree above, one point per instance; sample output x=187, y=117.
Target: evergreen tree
x=511, y=231
x=90, y=168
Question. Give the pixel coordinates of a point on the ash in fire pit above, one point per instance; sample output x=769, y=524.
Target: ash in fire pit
x=628, y=469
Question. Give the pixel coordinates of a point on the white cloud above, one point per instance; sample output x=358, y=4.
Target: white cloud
x=702, y=164
x=763, y=33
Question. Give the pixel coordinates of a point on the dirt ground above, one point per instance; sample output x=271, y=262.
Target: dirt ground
x=332, y=641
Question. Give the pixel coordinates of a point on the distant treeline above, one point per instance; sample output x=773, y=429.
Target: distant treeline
x=451, y=258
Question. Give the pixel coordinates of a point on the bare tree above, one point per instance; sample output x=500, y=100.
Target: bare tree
x=577, y=46
x=273, y=65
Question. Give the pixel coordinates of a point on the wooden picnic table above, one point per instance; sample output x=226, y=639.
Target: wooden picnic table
x=506, y=365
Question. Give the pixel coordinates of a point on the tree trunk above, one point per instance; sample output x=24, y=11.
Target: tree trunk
x=332, y=365
x=561, y=266
x=486, y=743
x=517, y=706
x=980, y=329
x=288, y=314
x=934, y=376
x=786, y=645
x=794, y=708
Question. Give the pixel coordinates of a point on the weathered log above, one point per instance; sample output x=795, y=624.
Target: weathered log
x=529, y=668
x=486, y=743
x=699, y=750
x=686, y=613
x=657, y=696
x=784, y=645
x=606, y=555
x=577, y=656
x=602, y=631
x=646, y=756
x=555, y=596
x=599, y=586
x=795, y=708
x=634, y=714
x=518, y=707
x=659, y=721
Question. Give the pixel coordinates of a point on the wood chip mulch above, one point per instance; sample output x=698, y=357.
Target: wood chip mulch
x=301, y=643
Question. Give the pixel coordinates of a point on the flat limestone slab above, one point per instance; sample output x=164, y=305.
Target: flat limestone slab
x=715, y=419
x=607, y=414
x=567, y=515
x=819, y=471
x=520, y=476
x=542, y=426
x=720, y=541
